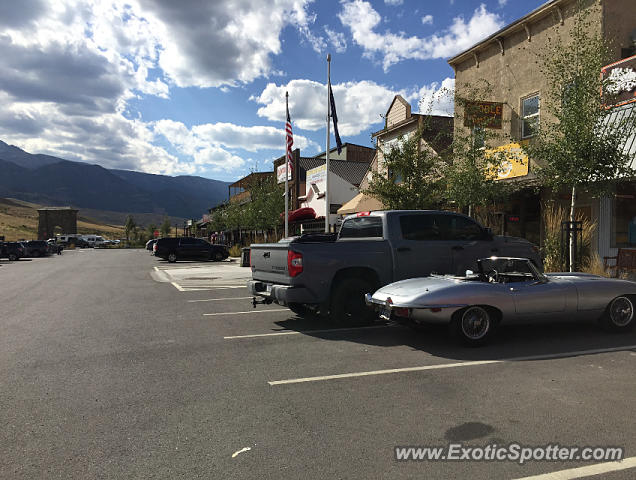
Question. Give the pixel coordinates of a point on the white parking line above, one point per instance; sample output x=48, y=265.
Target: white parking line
x=328, y=330
x=587, y=471
x=250, y=311
x=218, y=299
x=450, y=365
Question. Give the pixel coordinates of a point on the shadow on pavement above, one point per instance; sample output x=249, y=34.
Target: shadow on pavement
x=508, y=342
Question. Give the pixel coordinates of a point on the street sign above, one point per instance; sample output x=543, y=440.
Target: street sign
x=156, y=233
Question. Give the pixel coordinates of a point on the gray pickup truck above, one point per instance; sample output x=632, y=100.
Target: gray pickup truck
x=329, y=274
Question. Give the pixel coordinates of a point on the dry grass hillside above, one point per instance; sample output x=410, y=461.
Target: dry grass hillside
x=19, y=220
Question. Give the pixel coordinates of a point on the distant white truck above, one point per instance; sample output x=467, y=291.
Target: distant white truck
x=94, y=240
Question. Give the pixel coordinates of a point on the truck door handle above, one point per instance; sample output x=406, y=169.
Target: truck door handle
x=404, y=249
x=266, y=255
x=457, y=247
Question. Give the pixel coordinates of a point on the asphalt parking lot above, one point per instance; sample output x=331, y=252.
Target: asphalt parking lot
x=117, y=365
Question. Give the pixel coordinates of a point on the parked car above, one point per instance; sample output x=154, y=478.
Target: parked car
x=36, y=248
x=505, y=291
x=150, y=244
x=182, y=248
x=331, y=274
x=12, y=250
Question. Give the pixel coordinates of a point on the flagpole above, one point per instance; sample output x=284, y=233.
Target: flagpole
x=286, y=172
x=327, y=206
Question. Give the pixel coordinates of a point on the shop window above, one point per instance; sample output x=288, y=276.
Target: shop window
x=530, y=116
x=624, y=216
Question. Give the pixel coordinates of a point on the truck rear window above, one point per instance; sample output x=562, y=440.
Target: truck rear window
x=362, y=227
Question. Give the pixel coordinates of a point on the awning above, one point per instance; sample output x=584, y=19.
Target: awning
x=360, y=203
x=300, y=214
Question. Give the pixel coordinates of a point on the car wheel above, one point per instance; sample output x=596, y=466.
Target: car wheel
x=13, y=257
x=302, y=310
x=473, y=325
x=619, y=315
x=172, y=257
x=218, y=256
x=347, y=302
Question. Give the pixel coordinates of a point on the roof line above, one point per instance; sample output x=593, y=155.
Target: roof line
x=534, y=13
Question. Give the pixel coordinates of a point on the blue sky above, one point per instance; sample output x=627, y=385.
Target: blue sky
x=197, y=87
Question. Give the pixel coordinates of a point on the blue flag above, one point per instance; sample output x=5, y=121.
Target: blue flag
x=334, y=116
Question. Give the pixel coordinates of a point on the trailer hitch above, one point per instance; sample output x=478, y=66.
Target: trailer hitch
x=264, y=301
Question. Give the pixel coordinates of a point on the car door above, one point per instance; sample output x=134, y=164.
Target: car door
x=468, y=242
x=420, y=248
x=187, y=248
x=541, y=298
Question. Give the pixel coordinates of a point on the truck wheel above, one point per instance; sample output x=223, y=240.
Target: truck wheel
x=347, y=302
x=13, y=257
x=218, y=257
x=302, y=310
x=172, y=257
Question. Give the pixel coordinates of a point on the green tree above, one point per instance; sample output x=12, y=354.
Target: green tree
x=410, y=176
x=149, y=232
x=575, y=147
x=471, y=175
x=165, y=227
x=129, y=227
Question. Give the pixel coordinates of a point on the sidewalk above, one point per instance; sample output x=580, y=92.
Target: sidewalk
x=190, y=276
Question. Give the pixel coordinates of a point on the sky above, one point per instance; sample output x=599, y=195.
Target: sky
x=197, y=87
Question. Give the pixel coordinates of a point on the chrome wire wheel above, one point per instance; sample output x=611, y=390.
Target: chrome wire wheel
x=475, y=323
x=621, y=311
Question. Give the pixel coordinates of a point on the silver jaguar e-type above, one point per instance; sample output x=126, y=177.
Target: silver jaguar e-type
x=506, y=290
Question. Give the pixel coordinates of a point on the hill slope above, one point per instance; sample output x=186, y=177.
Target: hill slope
x=19, y=220
x=54, y=181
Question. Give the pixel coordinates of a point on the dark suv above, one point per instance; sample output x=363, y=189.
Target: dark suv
x=11, y=250
x=36, y=248
x=181, y=248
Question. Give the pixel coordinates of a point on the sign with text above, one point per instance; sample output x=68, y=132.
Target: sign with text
x=280, y=173
x=619, y=82
x=512, y=160
x=316, y=175
x=483, y=114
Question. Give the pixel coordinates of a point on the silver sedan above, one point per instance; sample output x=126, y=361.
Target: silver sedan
x=506, y=290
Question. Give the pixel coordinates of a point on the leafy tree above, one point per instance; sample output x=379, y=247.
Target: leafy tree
x=149, y=233
x=165, y=227
x=410, y=176
x=129, y=227
x=471, y=175
x=574, y=146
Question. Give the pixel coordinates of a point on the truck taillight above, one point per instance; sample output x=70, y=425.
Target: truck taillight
x=294, y=263
x=154, y=247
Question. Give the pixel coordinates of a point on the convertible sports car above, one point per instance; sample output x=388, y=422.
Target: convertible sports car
x=508, y=290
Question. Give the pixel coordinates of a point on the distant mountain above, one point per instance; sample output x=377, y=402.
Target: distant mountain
x=49, y=180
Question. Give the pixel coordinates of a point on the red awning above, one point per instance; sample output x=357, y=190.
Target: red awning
x=300, y=215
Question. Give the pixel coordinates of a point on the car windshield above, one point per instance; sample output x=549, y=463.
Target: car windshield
x=509, y=269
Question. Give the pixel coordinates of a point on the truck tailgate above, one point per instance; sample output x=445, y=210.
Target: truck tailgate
x=269, y=262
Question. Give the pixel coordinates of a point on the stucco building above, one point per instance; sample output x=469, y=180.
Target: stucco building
x=506, y=63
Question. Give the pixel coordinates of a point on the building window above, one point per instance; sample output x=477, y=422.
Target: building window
x=529, y=116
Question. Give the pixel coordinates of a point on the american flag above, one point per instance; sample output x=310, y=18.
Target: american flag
x=290, y=141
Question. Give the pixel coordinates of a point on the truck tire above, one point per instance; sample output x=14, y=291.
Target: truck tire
x=347, y=302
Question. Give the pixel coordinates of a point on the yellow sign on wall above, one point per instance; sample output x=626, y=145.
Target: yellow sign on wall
x=514, y=162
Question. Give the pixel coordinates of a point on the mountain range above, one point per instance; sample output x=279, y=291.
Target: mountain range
x=53, y=181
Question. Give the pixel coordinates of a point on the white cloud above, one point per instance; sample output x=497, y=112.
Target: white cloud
x=337, y=40
x=360, y=105
x=502, y=3
x=427, y=20
x=393, y=2
x=360, y=17
x=436, y=98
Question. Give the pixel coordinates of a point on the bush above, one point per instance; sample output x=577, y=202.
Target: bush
x=235, y=251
